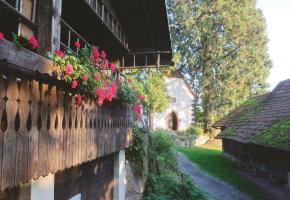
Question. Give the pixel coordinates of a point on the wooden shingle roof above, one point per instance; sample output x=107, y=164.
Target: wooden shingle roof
x=250, y=123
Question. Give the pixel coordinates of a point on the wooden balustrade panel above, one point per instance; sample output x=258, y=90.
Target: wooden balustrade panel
x=42, y=131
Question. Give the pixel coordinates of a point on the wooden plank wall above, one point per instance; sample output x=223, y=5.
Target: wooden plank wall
x=42, y=131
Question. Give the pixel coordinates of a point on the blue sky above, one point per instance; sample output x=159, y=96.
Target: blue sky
x=277, y=14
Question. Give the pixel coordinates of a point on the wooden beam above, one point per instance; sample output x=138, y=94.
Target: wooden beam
x=143, y=67
x=48, y=20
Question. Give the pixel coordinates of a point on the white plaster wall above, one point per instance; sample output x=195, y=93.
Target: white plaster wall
x=43, y=188
x=176, y=88
x=119, y=176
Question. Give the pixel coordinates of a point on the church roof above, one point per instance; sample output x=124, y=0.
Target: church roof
x=178, y=74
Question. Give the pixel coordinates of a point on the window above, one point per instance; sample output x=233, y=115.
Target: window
x=21, y=15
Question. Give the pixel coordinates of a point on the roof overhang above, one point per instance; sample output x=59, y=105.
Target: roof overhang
x=146, y=25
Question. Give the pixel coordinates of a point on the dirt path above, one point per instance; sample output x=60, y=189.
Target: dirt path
x=216, y=189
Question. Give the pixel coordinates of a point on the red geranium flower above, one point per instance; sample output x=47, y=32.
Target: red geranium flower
x=74, y=84
x=78, y=100
x=69, y=69
x=33, y=42
x=137, y=110
x=97, y=77
x=1, y=36
x=85, y=77
x=103, y=53
x=111, y=91
x=77, y=44
x=95, y=52
x=101, y=96
x=106, y=64
x=140, y=97
x=59, y=53
x=113, y=67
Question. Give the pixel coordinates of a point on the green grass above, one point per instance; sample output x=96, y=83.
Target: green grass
x=212, y=162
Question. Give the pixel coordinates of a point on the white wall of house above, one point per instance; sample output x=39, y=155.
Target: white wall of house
x=182, y=106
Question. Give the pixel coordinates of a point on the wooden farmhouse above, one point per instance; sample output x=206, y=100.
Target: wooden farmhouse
x=49, y=147
x=258, y=133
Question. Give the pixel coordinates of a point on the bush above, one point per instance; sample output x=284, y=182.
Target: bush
x=162, y=151
x=195, y=130
x=169, y=183
x=137, y=153
x=171, y=186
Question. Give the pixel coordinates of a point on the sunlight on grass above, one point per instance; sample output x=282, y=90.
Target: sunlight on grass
x=212, y=162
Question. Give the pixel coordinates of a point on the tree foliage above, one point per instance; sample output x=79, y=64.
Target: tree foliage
x=221, y=46
x=152, y=86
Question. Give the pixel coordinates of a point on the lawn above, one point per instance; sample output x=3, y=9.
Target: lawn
x=211, y=161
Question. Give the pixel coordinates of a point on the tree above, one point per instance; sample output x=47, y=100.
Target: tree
x=221, y=46
x=151, y=85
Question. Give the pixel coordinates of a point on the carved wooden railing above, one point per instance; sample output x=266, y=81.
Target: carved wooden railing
x=42, y=131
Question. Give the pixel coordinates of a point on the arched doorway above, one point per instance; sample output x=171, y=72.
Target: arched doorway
x=173, y=121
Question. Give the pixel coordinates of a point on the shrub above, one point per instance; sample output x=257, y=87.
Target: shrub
x=169, y=183
x=162, y=150
x=195, y=130
x=137, y=153
x=171, y=186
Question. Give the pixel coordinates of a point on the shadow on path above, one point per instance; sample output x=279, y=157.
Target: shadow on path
x=216, y=189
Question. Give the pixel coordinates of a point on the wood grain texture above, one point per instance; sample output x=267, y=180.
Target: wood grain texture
x=9, y=142
x=46, y=132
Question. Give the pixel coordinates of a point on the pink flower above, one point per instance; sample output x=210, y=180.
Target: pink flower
x=129, y=81
x=95, y=52
x=59, y=53
x=113, y=67
x=1, y=36
x=69, y=69
x=106, y=64
x=111, y=91
x=137, y=110
x=78, y=100
x=74, y=84
x=140, y=97
x=105, y=84
x=77, y=44
x=97, y=77
x=85, y=77
x=103, y=53
x=33, y=42
x=101, y=96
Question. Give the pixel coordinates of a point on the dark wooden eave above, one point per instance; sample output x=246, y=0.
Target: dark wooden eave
x=146, y=25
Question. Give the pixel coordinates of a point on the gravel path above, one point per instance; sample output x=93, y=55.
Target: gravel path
x=216, y=189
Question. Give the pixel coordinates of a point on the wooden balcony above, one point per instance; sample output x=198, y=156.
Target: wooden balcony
x=42, y=131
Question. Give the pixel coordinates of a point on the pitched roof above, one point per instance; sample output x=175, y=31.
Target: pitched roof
x=177, y=74
x=265, y=121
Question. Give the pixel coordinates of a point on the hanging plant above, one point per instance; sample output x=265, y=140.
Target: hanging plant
x=89, y=71
x=21, y=41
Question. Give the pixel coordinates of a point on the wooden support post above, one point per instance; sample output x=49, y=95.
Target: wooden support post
x=49, y=27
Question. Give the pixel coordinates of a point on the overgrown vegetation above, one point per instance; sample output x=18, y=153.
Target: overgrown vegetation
x=165, y=181
x=212, y=162
x=137, y=153
x=276, y=136
x=195, y=130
